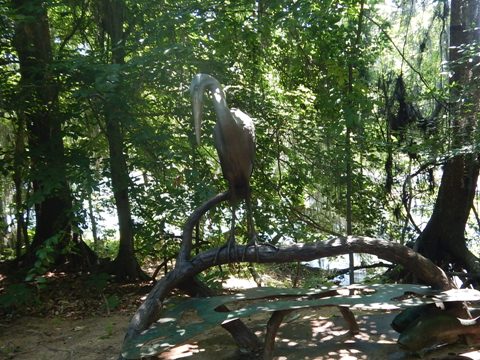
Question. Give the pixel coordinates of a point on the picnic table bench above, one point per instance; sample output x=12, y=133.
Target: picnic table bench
x=172, y=328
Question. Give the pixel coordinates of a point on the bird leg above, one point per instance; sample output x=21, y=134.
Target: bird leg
x=231, y=239
x=231, y=243
x=252, y=234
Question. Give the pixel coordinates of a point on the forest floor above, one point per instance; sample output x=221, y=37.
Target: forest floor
x=71, y=320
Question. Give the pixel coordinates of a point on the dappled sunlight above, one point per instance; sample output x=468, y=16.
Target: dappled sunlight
x=347, y=354
x=182, y=351
x=330, y=339
x=316, y=321
x=289, y=342
x=364, y=336
x=235, y=283
x=475, y=355
x=314, y=334
x=319, y=327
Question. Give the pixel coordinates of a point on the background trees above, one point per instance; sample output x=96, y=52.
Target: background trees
x=346, y=96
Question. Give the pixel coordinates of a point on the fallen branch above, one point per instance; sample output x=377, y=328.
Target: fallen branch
x=420, y=266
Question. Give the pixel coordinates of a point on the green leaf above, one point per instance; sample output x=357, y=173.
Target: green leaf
x=98, y=281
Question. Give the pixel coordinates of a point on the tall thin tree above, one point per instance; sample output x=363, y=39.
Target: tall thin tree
x=112, y=14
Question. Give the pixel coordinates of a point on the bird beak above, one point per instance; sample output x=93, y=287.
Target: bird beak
x=197, y=113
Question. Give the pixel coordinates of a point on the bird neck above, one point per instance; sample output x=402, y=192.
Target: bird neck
x=219, y=99
x=221, y=107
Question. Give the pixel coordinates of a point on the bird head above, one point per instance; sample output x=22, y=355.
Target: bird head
x=196, y=91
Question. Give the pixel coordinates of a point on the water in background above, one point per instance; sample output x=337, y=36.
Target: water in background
x=339, y=263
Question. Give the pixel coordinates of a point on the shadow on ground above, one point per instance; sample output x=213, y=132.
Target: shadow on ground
x=317, y=335
x=306, y=335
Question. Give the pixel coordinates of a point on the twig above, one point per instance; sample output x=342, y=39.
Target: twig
x=404, y=59
x=404, y=190
x=476, y=215
x=372, y=266
x=107, y=307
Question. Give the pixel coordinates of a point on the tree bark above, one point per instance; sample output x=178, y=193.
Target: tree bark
x=125, y=265
x=350, y=122
x=443, y=239
x=38, y=103
x=272, y=328
x=4, y=225
x=93, y=221
x=18, y=180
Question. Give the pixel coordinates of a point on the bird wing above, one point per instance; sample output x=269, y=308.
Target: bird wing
x=245, y=123
x=234, y=140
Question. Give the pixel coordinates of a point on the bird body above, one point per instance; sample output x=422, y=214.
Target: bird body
x=236, y=151
x=234, y=136
x=234, y=139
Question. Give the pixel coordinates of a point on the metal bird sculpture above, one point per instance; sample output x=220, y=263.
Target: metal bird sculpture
x=234, y=139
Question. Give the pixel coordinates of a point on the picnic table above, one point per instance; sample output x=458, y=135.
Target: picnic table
x=172, y=328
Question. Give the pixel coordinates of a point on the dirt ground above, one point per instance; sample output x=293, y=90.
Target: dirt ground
x=69, y=321
x=311, y=335
x=33, y=338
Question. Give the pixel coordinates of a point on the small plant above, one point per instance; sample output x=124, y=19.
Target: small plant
x=213, y=277
x=108, y=330
x=8, y=350
x=108, y=245
x=17, y=295
x=45, y=258
x=7, y=254
x=111, y=302
x=98, y=282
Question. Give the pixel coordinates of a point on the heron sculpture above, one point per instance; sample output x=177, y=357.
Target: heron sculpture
x=234, y=139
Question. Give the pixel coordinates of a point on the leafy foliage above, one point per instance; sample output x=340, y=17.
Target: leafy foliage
x=17, y=296
x=284, y=63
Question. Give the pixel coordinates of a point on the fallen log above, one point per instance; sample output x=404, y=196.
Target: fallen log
x=437, y=329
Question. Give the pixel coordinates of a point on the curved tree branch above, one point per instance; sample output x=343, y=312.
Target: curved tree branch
x=193, y=219
x=149, y=311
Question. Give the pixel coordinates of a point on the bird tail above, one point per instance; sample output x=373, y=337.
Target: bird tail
x=239, y=192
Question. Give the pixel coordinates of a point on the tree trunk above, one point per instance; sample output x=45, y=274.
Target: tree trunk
x=18, y=180
x=4, y=241
x=350, y=121
x=443, y=239
x=93, y=220
x=38, y=103
x=125, y=266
